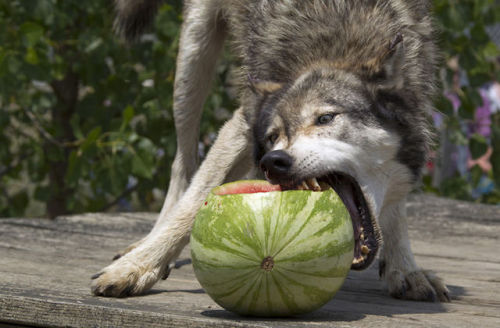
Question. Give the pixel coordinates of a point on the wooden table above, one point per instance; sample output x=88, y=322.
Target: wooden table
x=45, y=269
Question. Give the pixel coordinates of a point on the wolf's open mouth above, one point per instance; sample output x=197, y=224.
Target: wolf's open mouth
x=365, y=236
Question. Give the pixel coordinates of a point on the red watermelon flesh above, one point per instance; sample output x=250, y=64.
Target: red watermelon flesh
x=245, y=187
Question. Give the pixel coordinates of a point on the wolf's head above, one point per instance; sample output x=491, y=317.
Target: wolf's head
x=356, y=130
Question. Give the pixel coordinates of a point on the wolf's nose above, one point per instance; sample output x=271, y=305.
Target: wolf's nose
x=276, y=164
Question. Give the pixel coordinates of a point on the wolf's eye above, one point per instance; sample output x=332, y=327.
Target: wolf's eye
x=325, y=119
x=271, y=139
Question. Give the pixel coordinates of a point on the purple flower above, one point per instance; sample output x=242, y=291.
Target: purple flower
x=482, y=116
x=455, y=101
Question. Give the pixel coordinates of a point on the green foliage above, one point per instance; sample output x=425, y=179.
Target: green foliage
x=473, y=57
x=495, y=158
x=477, y=146
x=463, y=34
x=85, y=120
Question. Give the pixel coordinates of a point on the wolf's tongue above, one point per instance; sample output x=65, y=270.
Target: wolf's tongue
x=346, y=193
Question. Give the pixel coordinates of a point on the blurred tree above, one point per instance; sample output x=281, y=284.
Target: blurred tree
x=468, y=158
x=86, y=120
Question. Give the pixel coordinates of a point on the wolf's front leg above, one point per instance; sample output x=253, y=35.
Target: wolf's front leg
x=405, y=280
x=141, y=268
x=201, y=42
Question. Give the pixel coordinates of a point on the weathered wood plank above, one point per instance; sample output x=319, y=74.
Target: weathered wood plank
x=45, y=268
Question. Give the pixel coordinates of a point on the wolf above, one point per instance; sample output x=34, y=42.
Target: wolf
x=332, y=92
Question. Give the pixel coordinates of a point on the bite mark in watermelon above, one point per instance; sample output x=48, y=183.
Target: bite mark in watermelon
x=245, y=187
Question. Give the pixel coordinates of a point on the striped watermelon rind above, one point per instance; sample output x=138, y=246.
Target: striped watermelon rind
x=273, y=253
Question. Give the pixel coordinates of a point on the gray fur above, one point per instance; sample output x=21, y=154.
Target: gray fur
x=278, y=44
x=369, y=63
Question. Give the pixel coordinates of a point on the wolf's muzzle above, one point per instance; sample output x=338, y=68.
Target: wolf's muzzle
x=276, y=164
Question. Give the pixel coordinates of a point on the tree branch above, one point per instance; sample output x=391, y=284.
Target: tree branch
x=44, y=133
x=124, y=194
x=127, y=192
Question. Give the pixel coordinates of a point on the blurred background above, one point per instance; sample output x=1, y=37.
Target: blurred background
x=86, y=120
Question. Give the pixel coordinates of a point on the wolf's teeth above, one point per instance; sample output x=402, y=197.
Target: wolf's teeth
x=304, y=186
x=358, y=260
x=266, y=174
x=324, y=186
x=365, y=250
x=313, y=184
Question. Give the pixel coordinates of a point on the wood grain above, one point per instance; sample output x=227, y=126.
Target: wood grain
x=45, y=269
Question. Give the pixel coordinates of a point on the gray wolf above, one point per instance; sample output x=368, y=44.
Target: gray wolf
x=332, y=92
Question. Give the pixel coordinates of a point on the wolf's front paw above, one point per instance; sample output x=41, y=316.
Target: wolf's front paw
x=124, y=278
x=418, y=285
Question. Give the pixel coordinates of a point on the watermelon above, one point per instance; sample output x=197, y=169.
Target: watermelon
x=264, y=252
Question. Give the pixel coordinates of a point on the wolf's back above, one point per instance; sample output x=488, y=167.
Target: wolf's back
x=134, y=16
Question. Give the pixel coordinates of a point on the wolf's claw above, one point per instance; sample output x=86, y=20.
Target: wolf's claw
x=124, y=278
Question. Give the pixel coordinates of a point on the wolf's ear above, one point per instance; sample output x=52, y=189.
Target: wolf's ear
x=263, y=88
x=385, y=70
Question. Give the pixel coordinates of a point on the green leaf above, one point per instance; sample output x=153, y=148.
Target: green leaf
x=479, y=79
x=44, y=11
x=127, y=116
x=457, y=137
x=470, y=99
x=93, y=45
x=141, y=168
x=74, y=171
x=456, y=187
x=32, y=33
x=478, y=35
x=491, y=50
x=477, y=146
x=75, y=125
x=495, y=157
x=31, y=56
x=18, y=203
x=475, y=174
x=455, y=19
x=13, y=65
x=118, y=176
x=91, y=139
x=54, y=153
x=444, y=105
x=42, y=193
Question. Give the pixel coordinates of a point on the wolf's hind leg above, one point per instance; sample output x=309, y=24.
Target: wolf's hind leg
x=141, y=268
x=405, y=280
